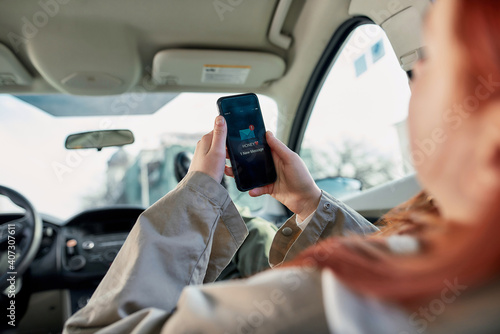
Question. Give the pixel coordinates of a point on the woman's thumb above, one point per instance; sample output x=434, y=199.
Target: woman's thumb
x=278, y=147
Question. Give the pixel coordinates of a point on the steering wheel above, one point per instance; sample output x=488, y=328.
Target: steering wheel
x=20, y=238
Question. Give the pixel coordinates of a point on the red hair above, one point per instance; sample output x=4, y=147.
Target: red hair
x=448, y=251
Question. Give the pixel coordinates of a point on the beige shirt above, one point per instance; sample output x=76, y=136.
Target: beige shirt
x=157, y=282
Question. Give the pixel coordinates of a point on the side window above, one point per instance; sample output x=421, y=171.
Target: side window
x=357, y=128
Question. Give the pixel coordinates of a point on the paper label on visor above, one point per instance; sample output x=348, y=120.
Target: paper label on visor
x=225, y=74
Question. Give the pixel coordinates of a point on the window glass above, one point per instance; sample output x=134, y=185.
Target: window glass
x=357, y=126
x=63, y=182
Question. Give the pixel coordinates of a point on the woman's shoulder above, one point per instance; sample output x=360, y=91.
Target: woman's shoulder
x=470, y=310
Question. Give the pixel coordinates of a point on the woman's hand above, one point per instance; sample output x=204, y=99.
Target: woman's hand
x=210, y=154
x=294, y=186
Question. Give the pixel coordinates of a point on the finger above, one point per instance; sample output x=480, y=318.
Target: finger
x=204, y=144
x=283, y=152
x=219, y=135
x=256, y=192
x=228, y=171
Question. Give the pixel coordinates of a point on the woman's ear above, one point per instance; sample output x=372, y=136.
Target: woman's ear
x=485, y=179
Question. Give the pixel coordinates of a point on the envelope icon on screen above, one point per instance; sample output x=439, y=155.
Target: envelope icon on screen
x=247, y=134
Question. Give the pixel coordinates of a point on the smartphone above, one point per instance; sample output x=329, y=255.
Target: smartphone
x=250, y=155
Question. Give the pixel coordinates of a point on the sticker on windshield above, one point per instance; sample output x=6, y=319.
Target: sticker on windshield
x=378, y=51
x=360, y=65
x=225, y=74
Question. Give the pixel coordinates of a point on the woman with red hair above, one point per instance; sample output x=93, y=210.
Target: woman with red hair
x=435, y=266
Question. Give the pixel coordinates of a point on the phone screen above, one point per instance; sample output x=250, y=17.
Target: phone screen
x=251, y=158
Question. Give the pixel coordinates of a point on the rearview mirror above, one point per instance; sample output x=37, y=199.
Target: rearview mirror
x=340, y=186
x=99, y=139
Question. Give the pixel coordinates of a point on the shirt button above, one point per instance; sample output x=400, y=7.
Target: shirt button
x=287, y=231
x=327, y=206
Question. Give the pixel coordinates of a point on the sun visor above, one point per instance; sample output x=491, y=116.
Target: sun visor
x=79, y=58
x=216, y=68
x=12, y=72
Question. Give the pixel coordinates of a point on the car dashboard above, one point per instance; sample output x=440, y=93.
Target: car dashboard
x=73, y=258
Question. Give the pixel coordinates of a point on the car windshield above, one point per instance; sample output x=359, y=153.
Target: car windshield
x=62, y=182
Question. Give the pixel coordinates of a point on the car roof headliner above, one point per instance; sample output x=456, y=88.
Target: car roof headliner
x=63, y=29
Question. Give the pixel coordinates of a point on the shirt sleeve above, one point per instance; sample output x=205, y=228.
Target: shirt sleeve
x=186, y=238
x=331, y=218
x=303, y=223
x=276, y=301
x=291, y=300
